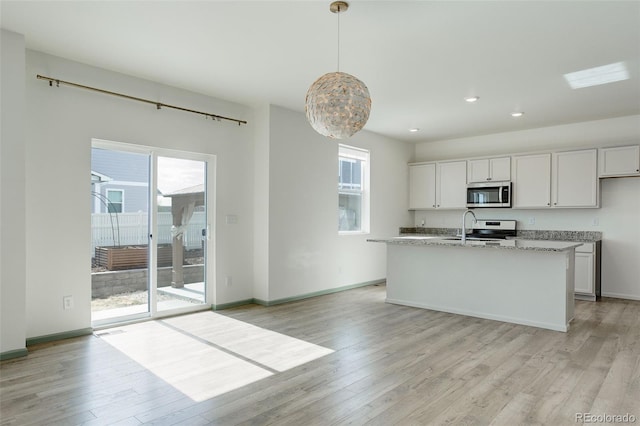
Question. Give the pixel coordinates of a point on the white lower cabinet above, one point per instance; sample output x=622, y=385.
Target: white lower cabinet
x=587, y=272
x=584, y=273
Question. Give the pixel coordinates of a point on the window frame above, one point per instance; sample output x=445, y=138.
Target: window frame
x=121, y=191
x=364, y=156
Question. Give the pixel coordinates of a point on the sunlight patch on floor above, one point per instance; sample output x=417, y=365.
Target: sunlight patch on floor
x=206, y=354
x=274, y=350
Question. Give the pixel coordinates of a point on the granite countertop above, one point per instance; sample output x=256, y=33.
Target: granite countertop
x=510, y=244
x=527, y=234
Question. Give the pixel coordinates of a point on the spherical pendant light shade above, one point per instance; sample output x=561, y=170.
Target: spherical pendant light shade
x=338, y=105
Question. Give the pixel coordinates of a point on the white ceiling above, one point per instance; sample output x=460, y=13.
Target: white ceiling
x=418, y=58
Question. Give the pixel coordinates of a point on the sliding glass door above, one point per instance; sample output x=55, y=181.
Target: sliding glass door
x=120, y=234
x=182, y=232
x=150, y=232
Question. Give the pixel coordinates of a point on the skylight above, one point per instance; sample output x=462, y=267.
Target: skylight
x=598, y=75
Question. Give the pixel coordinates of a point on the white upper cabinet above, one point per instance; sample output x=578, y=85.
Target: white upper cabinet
x=575, y=179
x=531, y=181
x=422, y=186
x=549, y=180
x=489, y=169
x=562, y=179
x=500, y=169
x=438, y=185
x=619, y=161
x=452, y=185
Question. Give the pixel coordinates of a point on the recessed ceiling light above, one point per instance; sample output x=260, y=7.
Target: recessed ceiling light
x=414, y=130
x=598, y=75
x=517, y=114
x=472, y=99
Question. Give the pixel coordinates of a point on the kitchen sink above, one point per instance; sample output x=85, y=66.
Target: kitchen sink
x=473, y=239
x=415, y=237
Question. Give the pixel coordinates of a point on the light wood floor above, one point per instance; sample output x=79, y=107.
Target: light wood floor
x=375, y=363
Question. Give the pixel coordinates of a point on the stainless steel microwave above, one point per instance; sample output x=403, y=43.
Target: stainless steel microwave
x=489, y=194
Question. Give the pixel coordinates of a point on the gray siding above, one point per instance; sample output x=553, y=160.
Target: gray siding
x=126, y=171
x=120, y=166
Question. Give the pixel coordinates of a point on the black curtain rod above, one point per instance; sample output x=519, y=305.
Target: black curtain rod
x=133, y=98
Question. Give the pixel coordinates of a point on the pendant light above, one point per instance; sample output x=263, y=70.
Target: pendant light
x=338, y=104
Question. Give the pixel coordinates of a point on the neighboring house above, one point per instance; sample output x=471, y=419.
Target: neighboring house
x=120, y=178
x=120, y=184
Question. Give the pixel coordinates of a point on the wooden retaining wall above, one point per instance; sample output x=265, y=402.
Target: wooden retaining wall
x=131, y=257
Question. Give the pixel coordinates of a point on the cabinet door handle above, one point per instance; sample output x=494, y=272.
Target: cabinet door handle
x=488, y=178
x=434, y=205
x=555, y=204
x=548, y=204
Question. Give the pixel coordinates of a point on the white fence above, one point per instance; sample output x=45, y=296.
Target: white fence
x=132, y=228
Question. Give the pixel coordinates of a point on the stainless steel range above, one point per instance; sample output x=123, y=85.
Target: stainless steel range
x=488, y=230
x=495, y=229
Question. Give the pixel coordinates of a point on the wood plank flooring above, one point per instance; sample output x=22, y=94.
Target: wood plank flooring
x=368, y=363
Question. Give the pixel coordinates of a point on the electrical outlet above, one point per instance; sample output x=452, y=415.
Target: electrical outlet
x=596, y=221
x=532, y=221
x=228, y=281
x=67, y=302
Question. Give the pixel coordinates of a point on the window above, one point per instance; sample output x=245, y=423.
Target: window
x=116, y=200
x=353, y=190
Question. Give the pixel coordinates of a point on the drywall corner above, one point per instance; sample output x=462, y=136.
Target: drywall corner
x=12, y=195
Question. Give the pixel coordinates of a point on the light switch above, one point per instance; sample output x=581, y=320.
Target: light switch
x=67, y=302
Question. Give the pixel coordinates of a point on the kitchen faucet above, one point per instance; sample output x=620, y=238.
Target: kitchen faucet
x=464, y=230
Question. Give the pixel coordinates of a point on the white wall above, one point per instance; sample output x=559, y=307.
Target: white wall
x=618, y=218
x=275, y=175
x=306, y=254
x=12, y=193
x=61, y=124
x=598, y=133
x=261, y=204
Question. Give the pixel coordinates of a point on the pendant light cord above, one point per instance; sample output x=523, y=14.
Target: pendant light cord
x=338, y=37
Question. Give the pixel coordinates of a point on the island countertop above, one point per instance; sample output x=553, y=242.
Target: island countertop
x=528, y=282
x=508, y=244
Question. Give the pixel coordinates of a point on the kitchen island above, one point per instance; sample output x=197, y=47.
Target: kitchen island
x=526, y=282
